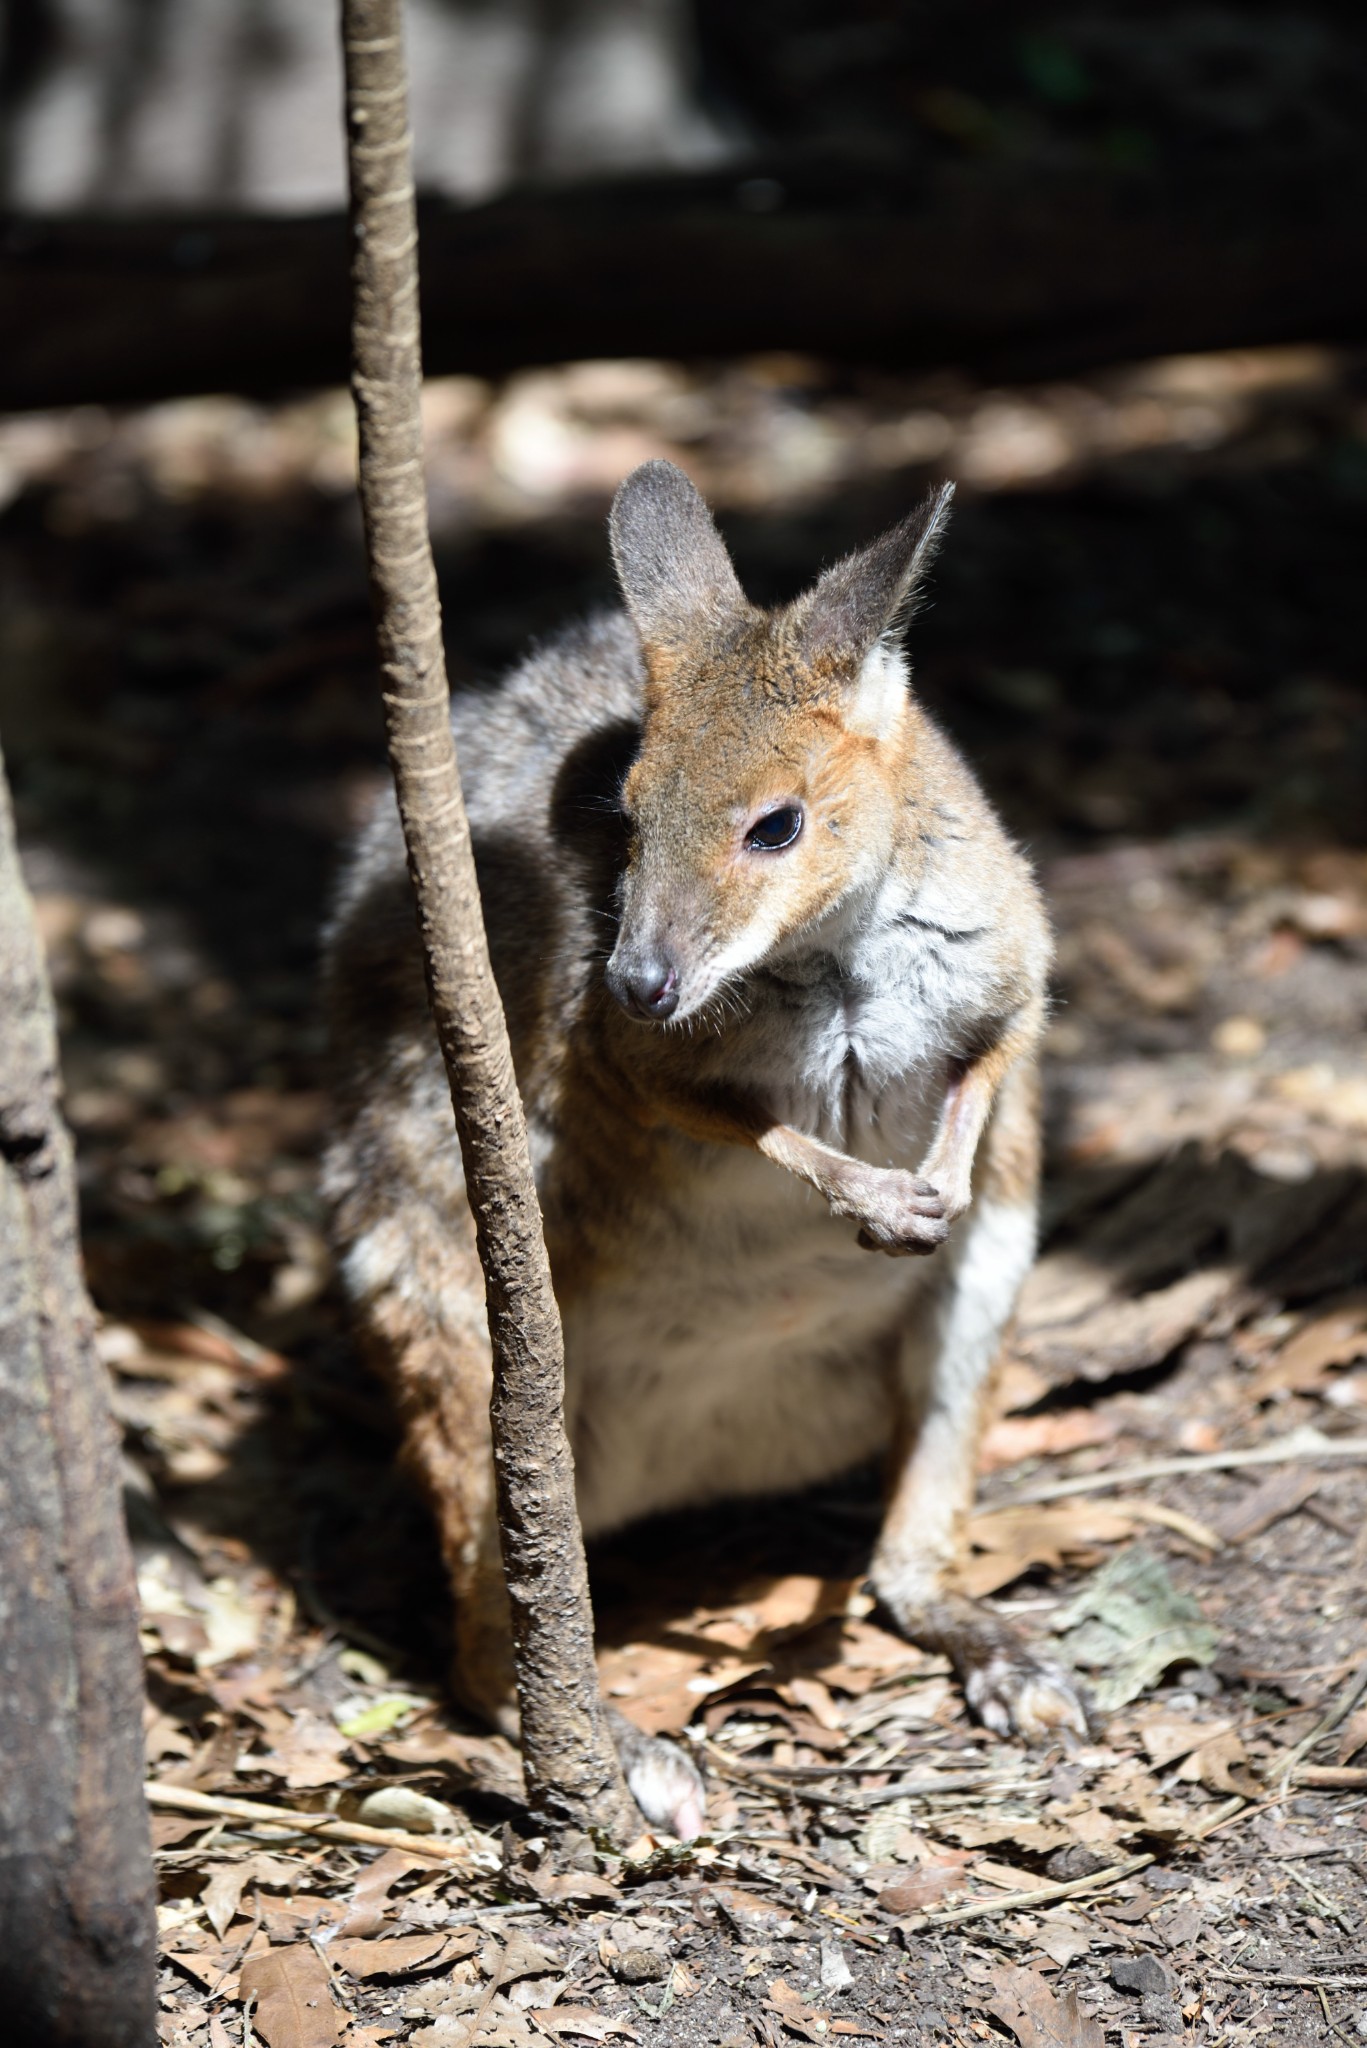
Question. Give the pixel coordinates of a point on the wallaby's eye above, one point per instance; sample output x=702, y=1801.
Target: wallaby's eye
x=775, y=830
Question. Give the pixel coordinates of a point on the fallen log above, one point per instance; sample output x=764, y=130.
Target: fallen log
x=1001, y=271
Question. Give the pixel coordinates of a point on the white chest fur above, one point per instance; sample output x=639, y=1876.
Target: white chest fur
x=744, y=1344
x=740, y=1350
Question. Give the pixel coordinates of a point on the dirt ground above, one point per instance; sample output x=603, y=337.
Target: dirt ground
x=1147, y=631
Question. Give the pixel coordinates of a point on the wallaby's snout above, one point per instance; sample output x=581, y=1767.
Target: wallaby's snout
x=645, y=983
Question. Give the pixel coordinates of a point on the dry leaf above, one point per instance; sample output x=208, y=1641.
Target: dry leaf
x=393, y=1955
x=499, y=2028
x=1073, y=1326
x=922, y=1888
x=1166, y=1737
x=519, y=1956
x=206, y=1966
x=1130, y=1789
x=716, y=1648
x=1064, y=1937
x=1210, y=1752
x=753, y=1917
x=867, y=1655
x=1023, y=2002
x=293, y=1999
x=536, y=1991
x=306, y=1750
x=490, y=1761
x=582, y=2023
x=1129, y=1624
x=222, y=1895
x=1009, y=1877
x=1013, y=1540
x=1221, y=1765
x=1302, y=1365
x=568, y=1886
x=1016, y=1437
x=665, y=1684
x=367, y=1912
x=774, y=1610
x=399, y=1806
x=1018, y=1385
x=1280, y=1494
x=815, y=1697
x=795, y=2013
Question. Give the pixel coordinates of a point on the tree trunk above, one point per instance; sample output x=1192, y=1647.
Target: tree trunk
x=570, y=1765
x=77, y=1926
x=985, y=267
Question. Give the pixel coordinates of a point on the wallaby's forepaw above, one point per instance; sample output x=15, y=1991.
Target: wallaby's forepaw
x=663, y=1781
x=1017, y=1693
x=900, y=1214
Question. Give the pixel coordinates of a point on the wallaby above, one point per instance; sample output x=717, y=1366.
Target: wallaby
x=775, y=978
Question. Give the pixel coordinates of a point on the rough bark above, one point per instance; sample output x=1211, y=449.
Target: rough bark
x=570, y=1765
x=988, y=268
x=77, y=1926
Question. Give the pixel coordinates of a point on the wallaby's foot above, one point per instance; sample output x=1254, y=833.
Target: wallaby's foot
x=1018, y=1693
x=663, y=1781
x=1009, y=1686
x=897, y=1213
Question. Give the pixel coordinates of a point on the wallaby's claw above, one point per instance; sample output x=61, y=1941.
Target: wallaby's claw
x=1018, y=1693
x=902, y=1216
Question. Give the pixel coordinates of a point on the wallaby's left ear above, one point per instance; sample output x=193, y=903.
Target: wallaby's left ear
x=870, y=593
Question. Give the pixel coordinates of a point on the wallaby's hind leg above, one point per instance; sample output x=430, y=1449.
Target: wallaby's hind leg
x=418, y=1291
x=946, y=1373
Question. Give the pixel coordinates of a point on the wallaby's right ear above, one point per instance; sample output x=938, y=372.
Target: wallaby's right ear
x=675, y=573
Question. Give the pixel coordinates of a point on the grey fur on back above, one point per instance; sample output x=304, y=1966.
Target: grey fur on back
x=542, y=756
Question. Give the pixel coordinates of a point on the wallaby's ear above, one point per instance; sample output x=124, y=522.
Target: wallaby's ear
x=675, y=573
x=870, y=594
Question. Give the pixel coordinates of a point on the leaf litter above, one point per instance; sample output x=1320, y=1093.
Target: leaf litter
x=1201, y=1292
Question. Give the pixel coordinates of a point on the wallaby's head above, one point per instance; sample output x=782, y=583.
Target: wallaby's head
x=765, y=793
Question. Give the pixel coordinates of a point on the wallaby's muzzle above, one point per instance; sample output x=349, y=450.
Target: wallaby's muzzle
x=645, y=984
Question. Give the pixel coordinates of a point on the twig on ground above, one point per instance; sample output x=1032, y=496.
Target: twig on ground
x=1329, y=2019
x=1274, y=1980
x=183, y=1799
x=795, y=1853
x=1044, y=1895
x=1323, y=1905
x=1331, y=1777
x=782, y=1787
x=1336, y=1716
x=1305, y=1446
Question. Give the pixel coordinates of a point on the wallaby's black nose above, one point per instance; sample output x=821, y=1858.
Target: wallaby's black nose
x=650, y=989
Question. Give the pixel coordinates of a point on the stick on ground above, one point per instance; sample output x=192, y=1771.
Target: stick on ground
x=256, y=1813
x=1299, y=1446
x=570, y=1765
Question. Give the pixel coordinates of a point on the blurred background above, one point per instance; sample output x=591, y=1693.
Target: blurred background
x=1099, y=263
